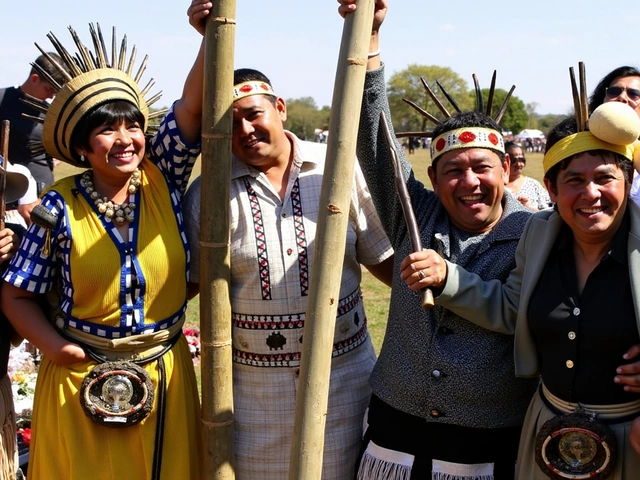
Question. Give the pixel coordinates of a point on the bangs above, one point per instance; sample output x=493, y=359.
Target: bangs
x=109, y=113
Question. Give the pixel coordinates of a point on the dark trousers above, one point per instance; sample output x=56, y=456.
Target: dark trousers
x=425, y=440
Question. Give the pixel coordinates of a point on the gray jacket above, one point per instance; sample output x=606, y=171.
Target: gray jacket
x=435, y=364
x=503, y=308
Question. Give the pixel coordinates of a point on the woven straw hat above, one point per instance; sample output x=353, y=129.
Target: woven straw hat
x=94, y=80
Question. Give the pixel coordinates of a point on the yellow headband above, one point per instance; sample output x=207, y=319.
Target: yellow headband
x=467, y=137
x=252, y=87
x=579, y=143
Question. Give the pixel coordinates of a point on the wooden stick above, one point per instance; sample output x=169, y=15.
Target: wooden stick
x=584, y=101
x=405, y=201
x=215, y=304
x=476, y=85
x=422, y=111
x=492, y=90
x=335, y=199
x=576, y=99
x=503, y=109
x=414, y=134
x=4, y=151
x=435, y=99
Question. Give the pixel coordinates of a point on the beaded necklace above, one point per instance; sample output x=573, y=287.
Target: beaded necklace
x=119, y=213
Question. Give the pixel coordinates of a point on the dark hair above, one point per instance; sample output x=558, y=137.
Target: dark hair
x=44, y=63
x=104, y=114
x=511, y=144
x=598, y=95
x=467, y=119
x=242, y=75
x=566, y=127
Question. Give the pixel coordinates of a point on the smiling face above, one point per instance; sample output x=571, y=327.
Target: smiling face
x=518, y=161
x=470, y=183
x=591, y=196
x=115, y=151
x=258, y=133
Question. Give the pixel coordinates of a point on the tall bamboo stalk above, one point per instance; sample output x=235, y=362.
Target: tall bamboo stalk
x=215, y=305
x=315, y=368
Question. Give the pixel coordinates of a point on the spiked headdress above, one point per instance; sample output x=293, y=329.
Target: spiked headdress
x=94, y=79
x=478, y=137
x=613, y=126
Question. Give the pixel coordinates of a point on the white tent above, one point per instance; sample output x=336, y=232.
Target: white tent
x=529, y=133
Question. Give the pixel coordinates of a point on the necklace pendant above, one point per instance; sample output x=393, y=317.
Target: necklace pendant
x=111, y=211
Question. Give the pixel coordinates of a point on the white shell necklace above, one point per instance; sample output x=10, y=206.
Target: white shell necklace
x=111, y=211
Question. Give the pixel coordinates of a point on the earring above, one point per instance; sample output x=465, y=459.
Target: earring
x=82, y=158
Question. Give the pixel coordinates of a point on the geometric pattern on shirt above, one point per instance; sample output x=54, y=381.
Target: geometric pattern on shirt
x=292, y=359
x=301, y=238
x=261, y=243
x=275, y=331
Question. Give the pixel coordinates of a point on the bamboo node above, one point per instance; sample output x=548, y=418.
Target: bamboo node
x=213, y=244
x=216, y=424
x=334, y=209
x=216, y=135
x=357, y=61
x=231, y=21
x=217, y=344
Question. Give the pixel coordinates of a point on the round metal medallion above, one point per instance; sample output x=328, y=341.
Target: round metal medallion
x=575, y=447
x=117, y=394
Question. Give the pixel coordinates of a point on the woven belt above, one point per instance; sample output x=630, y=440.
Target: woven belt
x=618, y=413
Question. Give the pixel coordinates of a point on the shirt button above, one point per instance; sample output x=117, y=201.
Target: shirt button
x=284, y=214
x=576, y=311
x=572, y=335
x=569, y=364
x=289, y=251
x=437, y=374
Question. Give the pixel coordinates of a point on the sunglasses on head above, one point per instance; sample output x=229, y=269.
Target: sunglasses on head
x=633, y=94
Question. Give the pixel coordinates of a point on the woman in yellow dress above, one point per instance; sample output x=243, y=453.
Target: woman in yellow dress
x=116, y=395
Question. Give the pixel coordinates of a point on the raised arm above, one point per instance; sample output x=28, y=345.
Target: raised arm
x=188, y=109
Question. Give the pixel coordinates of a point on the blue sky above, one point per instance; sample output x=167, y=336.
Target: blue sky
x=296, y=43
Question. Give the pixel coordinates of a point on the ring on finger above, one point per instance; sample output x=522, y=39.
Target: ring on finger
x=421, y=274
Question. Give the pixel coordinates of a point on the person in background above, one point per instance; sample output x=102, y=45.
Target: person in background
x=110, y=243
x=446, y=402
x=16, y=186
x=622, y=84
x=527, y=190
x=19, y=212
x=24, y=132
x=276, y=181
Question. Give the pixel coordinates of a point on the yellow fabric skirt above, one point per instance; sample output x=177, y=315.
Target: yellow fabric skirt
x=67, y=444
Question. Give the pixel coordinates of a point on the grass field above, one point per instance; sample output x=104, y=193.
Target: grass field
x=376, y=295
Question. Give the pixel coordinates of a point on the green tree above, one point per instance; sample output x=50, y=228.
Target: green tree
x=407, y=84
x=545, y=122
x=515, y=117
x=303, y=117
x=531, y=112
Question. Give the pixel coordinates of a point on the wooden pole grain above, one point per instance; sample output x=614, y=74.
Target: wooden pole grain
x=326, y=272
x=215, y=305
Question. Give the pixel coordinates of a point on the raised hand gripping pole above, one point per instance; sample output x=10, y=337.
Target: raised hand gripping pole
x=405, y=201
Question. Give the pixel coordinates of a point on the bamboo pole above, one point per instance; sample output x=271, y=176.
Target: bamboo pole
x=326, y=272
x=215, y=306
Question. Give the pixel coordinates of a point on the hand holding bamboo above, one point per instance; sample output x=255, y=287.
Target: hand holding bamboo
x=405, y=201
